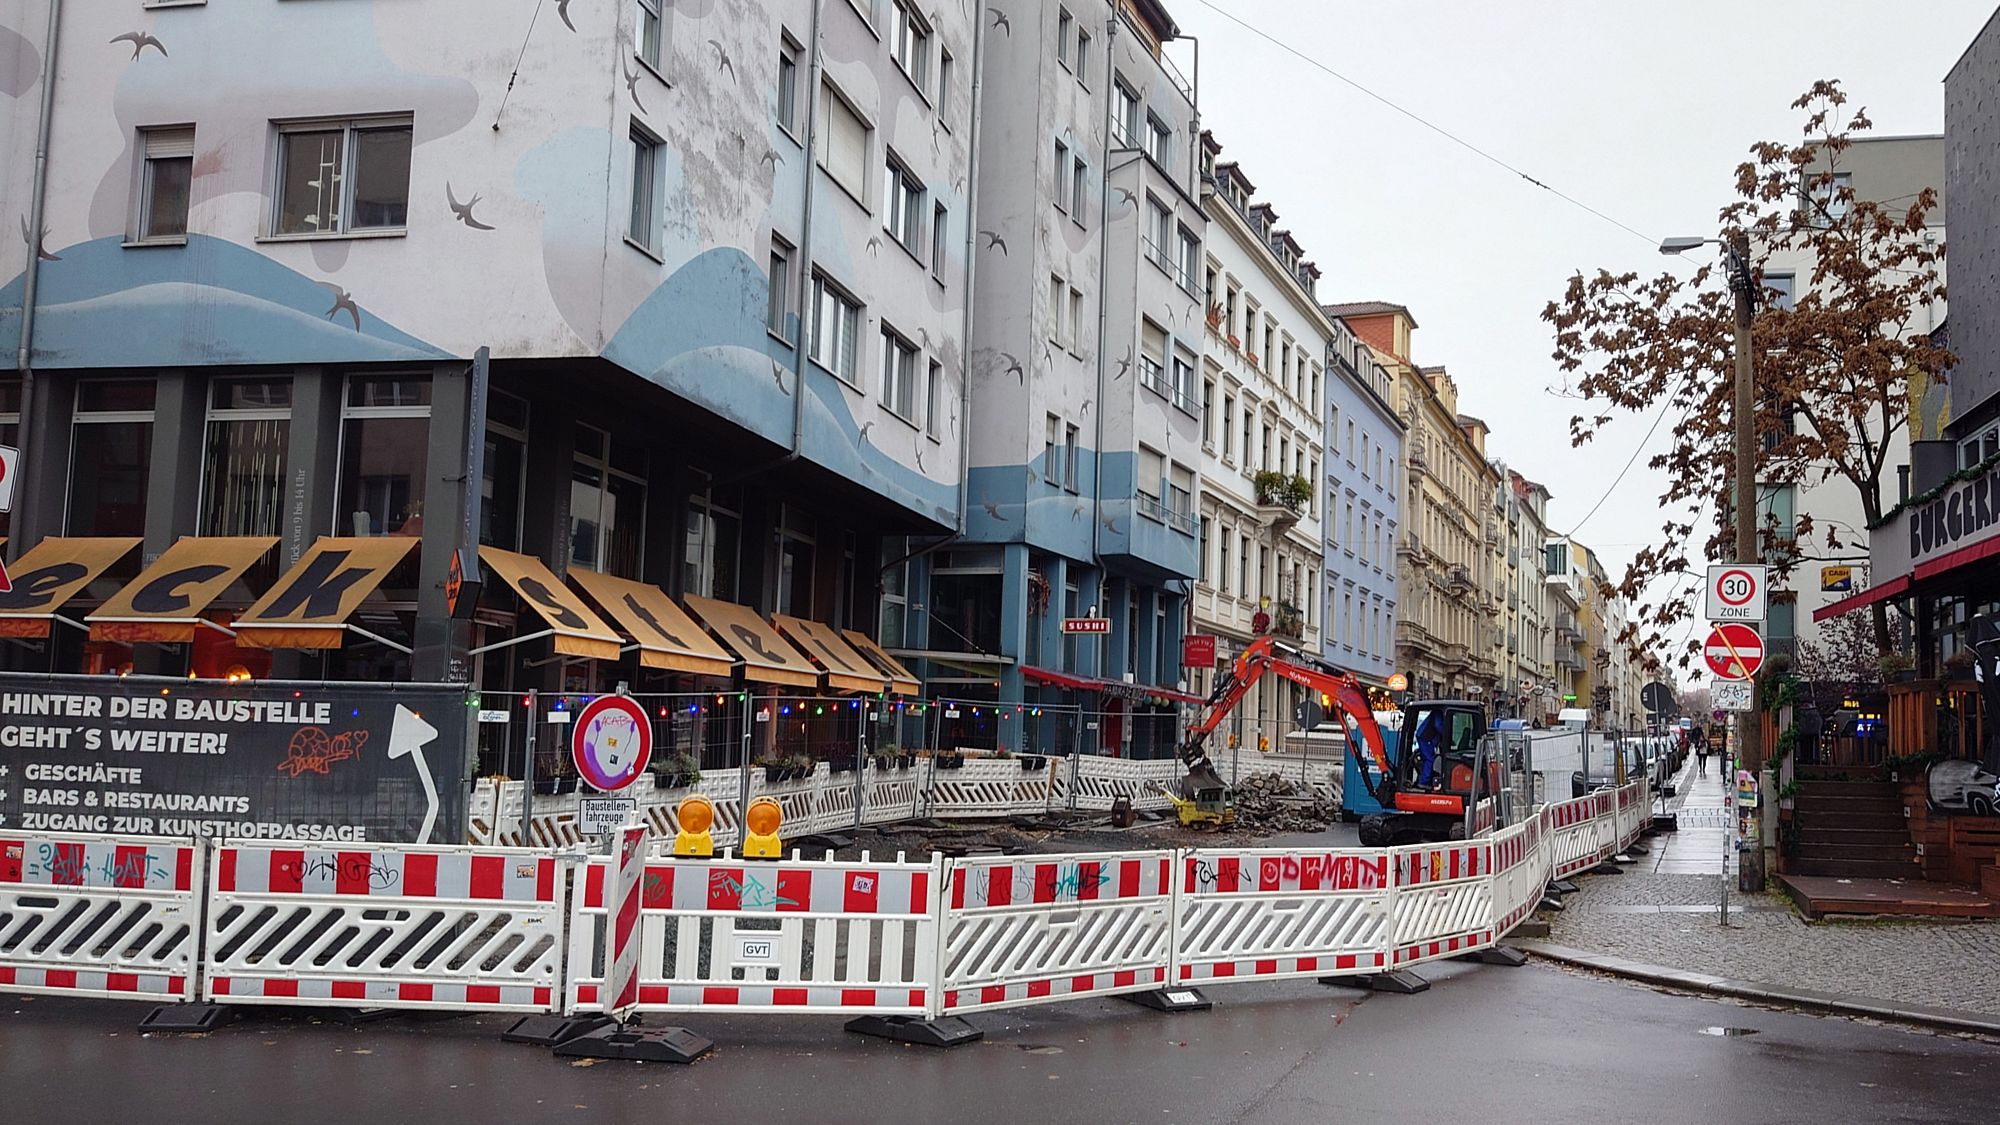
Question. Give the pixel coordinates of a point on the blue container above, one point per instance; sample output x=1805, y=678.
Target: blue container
x=1355, y=799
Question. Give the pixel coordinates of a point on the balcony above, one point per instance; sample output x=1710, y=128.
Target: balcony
x=1281, y=498
x=1489, y=606
x=1566, y=626
x=1459, y=578
x=1288, y=620
x=1457, y=655
x=1492, y=534
x=1566, y=657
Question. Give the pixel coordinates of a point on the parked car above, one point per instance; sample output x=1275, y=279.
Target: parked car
x=1964, y=785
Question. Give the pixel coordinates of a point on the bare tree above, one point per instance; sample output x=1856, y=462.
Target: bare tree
x=1831, y=368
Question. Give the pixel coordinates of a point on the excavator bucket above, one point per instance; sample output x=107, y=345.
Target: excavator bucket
x=1201, y=782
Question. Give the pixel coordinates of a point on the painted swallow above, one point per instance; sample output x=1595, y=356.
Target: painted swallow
x=778, y=376
x=1086, y=408
x=1032, y=478
x=1124, y=365
x=722, y=60
x=1001, y=21
x=562, y=9
x=631, y=84
x=31, y=240
x=1111, y=524
x=874, y=245
x=1014, y=368
x=865, y=427
x=1076, y=513
x=924, y=338
x=920, y=456
x=993, y=240
x=773, y=158
x=141, y=40
x=463, y=211
x=343, y=301
x=992, y=509
x=1048, y=354
x=1125, y=195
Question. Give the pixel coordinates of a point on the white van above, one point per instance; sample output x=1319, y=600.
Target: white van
x=1573, y=718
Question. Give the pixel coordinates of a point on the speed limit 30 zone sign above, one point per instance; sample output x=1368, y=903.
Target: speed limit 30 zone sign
x=1735, y=592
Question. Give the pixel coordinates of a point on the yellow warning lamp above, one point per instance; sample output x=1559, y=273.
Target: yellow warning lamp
x=1263, y=744
x=697, y=816
x=1234, y=742
x=760, y=829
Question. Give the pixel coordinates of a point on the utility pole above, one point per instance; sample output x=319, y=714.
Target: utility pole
x=1749, y=724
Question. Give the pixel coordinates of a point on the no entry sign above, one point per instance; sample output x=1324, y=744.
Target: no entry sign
x=1735, y=592
x=611, y=743
x=1734, y=652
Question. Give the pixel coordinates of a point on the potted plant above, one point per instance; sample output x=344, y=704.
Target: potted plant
x=1032, y=762
x=1896, y=668
x=1959, y=665
x=949, y=759
x=681, y=771
x=1215, y=315
x=800, y=767
x=842, y=763
x=1235, y=344
x=774, y=770
x=909, y=762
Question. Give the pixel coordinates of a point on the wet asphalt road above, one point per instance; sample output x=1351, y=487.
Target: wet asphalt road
x=1486, y=1044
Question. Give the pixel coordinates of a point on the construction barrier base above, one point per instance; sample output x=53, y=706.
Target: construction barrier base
x=551, y=1031
x=950, y=1031
x=1171, y=1000
x=1505, y=955
x=638, y=1044
x=1638, y=849
x=1607, y=867
x=1564, y=887
x=1402, y=982
x=187, y=1017
x=1666, y=822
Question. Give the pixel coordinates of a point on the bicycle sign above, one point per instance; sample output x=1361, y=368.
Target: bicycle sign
x=1736, y=592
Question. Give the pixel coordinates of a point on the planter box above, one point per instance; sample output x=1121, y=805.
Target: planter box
x=950, y=761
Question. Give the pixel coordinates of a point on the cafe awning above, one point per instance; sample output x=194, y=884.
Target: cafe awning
x=664, y=634
x=767, y=657
x=1117, y=688
x=164, y=604
x=577, y=629
x=51, y=573
x=846, y=669
x=311, y=603
x=901, y=681
x=1897, y=585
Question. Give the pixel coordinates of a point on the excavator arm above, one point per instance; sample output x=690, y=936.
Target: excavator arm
x=1263, y=655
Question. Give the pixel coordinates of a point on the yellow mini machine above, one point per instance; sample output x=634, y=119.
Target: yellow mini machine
x=1201, y=807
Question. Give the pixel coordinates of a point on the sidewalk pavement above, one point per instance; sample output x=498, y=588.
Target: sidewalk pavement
x=1659, y=920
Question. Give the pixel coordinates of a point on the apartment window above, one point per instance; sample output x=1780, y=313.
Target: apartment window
x=165, y=177
x=1081, y=65
x=1190, y=263
x=1333, y=427
x=1284, y=451
x=1062, y=192
x=1159, y=142
x=1777, y=509
x=789, y=57
x=644, y=227
x=1077, y=335
x=1822, y=201
x=899, y=374
x=1184, y=379
x=1976, y=449
x=1070, y=454
x=1201, y=567
x=607, y=504
x=1312, y=475
x=934, y=399
x=842, y=143
x=1065, y=24
x=940, y=221
x=343, y=177
x=1313, y=402
x=1364, y=456
x=1243, y=566
x=910, y=43
x=836, y=330
x=1180, y=493
x=111, y=452
x=384, y=439
x=1079, y=192
x=1207, y=412
x=1052, y=449
x=1222, y=562
x=1228, y=426
x=651, y=32
x=903, y=205
x=1153, y=356
x=1152, y=471
x=243, y=484
x=1159, y=233
x=1124, y=115
x=945, y=70
x=1058, y=291
x=1786, y=286
x=1249, y=418
x=778, y=314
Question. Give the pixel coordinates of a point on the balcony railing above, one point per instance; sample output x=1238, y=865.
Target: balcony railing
x=1460, y=578
x=1288, y=620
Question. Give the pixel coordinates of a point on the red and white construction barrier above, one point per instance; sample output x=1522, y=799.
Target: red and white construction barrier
x=113, y=916
x=1267, y=915
x=621, y=977
x=385, y=927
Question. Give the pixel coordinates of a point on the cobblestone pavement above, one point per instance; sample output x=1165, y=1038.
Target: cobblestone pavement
x=1663, y=911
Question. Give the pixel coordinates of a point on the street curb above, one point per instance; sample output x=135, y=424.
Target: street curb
x=1940, y=1019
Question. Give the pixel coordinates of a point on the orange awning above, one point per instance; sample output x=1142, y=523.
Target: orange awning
x=846, y=669
x=901, y=680
x=666, y=636
x=51, y=573
x=164, y=603
x=311, y=603
x=767, y=657
x=577, y=628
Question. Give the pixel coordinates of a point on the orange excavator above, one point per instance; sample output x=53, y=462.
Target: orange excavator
x=1424, y=785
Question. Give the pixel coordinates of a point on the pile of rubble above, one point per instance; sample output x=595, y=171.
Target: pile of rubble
x=1267, y=803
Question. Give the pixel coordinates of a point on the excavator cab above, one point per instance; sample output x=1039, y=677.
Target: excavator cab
x=1431, y=780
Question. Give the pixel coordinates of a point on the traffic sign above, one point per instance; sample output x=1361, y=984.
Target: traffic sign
x=1086, y=625
x=598, y=815
x=1398, y=682
x=1733, y=652
x=1735, y=592
x=1731, y=695
x=611, y=742
x=10, y=460
x=1659, y=699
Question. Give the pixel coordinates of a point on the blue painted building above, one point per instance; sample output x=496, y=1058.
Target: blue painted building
x=1364, y=468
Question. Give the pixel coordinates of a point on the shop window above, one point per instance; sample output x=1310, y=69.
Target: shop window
x=895, y=593
x=384, y=440
x=243, y=469
x=714, y=538
x=795, y=562
x=10, y=430
x=502, y=480
x=607, y=504
x=111, y=449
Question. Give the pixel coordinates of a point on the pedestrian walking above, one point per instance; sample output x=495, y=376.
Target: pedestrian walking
x=1701, y=758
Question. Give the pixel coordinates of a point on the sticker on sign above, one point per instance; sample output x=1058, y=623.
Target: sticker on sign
x=1735, y=592
x=1733, y=652
x=1732, y=695
x=598, y=815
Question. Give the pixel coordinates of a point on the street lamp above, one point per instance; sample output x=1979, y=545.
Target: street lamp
x=1749, y=734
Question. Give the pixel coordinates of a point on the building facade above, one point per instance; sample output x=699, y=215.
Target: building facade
x=1527, y=688
x=1364, y=472
x=1263, y=388
x=1084, y=442
x=682, y=304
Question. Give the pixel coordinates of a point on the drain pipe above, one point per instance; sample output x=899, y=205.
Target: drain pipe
x=1103, y=303
x=31, y=277
x=814, y=75
x=971, y=248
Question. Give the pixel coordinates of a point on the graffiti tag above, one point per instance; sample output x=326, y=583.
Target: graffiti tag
x=1070, y=882
x=750, y=891
x=344, y=869
x=69, y=866
x=311, y=748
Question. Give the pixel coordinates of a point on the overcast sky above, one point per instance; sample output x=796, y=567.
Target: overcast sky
x=1641, y=111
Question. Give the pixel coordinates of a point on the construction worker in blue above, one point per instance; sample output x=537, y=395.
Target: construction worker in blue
x=1427, y=750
